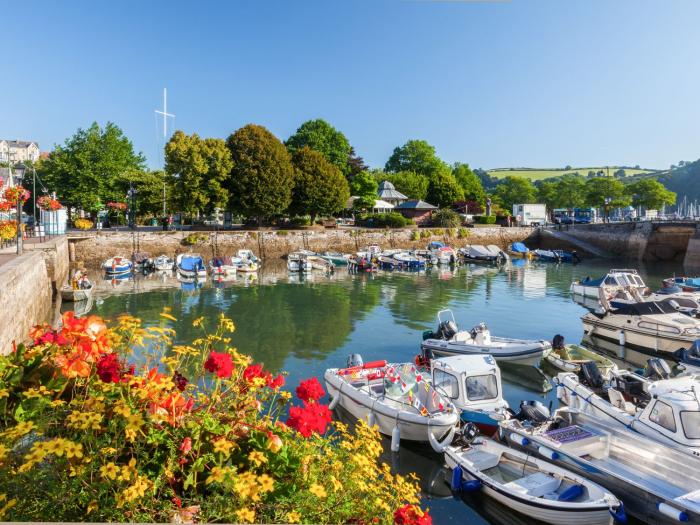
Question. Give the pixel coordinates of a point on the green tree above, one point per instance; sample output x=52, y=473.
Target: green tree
x=320, y=136
x=319, y=187
x=149, y=187
x=650, y=194
x=548, y=194
x=199, y=169
x=514, y=190
x=356, y=164
x=417, y=156
x=85, y=171
x=571, y=190
x=364, y=187
x=411, y=184
x=262, y=176
x=443, y=189
x=469, y=182
x=605, y=191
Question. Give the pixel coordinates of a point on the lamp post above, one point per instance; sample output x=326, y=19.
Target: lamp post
x=132, y=206
x=608, y=200
x=19, y=170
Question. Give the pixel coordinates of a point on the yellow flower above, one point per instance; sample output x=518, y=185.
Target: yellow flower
x=3, y=452
x=92, y=506
x=223, y=446
x=109, y=471
x=198, y=322
x=4, y=392
x=245, y=515
x=168, y=316
x=5, y=505
x=380, y=503
x=19, y=430
x=337, y=485
x=293, y=517
x=73, y=450
x=217, y=475
x=108, y=451
x=257, y=458
x=54, y=446
x=247, y=487
x=266, y=483
x=318, y=491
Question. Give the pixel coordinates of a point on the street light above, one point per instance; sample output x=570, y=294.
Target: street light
x=132, y=207
x=608, y=201
x=19, y=170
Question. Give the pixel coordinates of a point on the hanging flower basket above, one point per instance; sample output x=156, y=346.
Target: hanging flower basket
x=16, y=194
x=117, y=206
x=47, y=203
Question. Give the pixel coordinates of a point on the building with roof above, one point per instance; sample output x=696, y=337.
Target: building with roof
x=420, y=212
x=380, y=206
x=387, y=192
x=16, y=151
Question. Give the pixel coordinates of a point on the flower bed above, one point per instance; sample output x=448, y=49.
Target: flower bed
x=119, y=423
x=83, y=224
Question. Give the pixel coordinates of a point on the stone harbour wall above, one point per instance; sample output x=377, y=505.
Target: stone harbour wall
x=55, y=254
x=92, y=249
x=25, y=297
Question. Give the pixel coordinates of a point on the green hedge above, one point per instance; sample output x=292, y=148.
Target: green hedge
x=485, y=219
x=385, y=220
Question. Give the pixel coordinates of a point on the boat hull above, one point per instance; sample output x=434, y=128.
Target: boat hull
x=525, y=354
x=604, y=364
x=657, y=344
x=70, y=295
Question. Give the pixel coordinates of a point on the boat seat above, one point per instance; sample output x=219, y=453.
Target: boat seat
x=618, y=401
x=537, y=484
x=482, y=460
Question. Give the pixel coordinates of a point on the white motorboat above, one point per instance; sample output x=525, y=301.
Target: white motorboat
x=658, y=484
x=142, y=262
x=82, y=292
x=449, y=340
x=395, y=397
x=409, y=261
x=117, y=266
x=298, y=262
x=163, y=263
x=319, y=263
x=667, y=411
x=222, y=266
x=478, y=253
x=650, y=327
x=616, y=280
x=569, y=358
x=190, y=266
x=246, y=261
x=445, y=255
x=496, y=250
x=530, y=486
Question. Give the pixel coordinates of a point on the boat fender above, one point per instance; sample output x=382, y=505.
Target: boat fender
x=548, y=453
x=336, y=399
x=560, y=391
x=622, y=338
x=456, y=482
x=395, y=438
x=672, y=512
x=619, y=514
x=371, y=418
x=440, y=447
x=573, y=399
x=520, y=440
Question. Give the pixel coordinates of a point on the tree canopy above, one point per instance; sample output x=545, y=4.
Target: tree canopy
x=319, y=186
x=598, y=189
x=411, y=184
x=200, y=169
x=320, y=136
x=262, y=176
x=443, y=189
x=471, y=184
x=364, y=187
x=417, y=156
x=514, y=190
x=85, y=171
x=149, y=190
x=567, y=191
x=650, y=194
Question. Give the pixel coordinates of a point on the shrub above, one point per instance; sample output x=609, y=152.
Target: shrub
x=426, y=234
x=300, y=221
x=199, y=436
x=195, y=238
x=446, y=218
x=282, y=233
x=385, y=220
x=415, y=235
x=83, y=224
x=462, y=233
x=485, y=219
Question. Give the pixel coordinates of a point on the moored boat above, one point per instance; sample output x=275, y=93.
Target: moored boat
x=163, y=263
x=79, y=289
x=222, y=266
x=557, y=256
x=480, y=254
x=518, y=250
x=336, y=258
x=117, y=266
x=246, y=261
x=298, y=262
x=190, y=266
x=569, y=358
x=616, y=280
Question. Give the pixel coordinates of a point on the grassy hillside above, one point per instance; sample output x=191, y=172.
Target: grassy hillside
x=538, y=174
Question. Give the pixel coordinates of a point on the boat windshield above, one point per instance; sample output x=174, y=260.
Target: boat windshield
x=691, y=423
x=483, y=387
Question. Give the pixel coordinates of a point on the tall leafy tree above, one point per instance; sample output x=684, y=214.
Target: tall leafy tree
x=262, y=176
x=571, y=191
x=199, y=169
x=149, y=187
x=604, y=192
x=417, y=156
x=85, y=171
x=650, y=194
x=443, y=188
x=364, y=187
x=514, y=190
x=548, y=194
x=319, y=187
x=469, y=182
x=356, y=164
x=320, y=136
x=411, y=184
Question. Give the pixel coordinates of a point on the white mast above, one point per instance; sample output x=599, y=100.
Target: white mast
x=165, y=115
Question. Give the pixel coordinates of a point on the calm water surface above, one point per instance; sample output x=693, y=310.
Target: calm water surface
x=305, y=326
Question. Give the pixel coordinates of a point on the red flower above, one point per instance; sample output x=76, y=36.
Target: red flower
x=276, y=382
x=186, y=445
x=312, y=417
x=412, y=515
x=177, y=501
x=310, y=389
x=180, y=381
x=110, y=369
x=219, y=364
x=254, y=371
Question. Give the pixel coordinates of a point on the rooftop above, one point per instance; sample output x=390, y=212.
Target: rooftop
x=416, y=205
x=19, y=143
x=388, y=191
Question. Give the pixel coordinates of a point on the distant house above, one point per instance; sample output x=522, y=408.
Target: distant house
x=380, y=206
x=419, y=211
x=387, y=192
x=18, y=151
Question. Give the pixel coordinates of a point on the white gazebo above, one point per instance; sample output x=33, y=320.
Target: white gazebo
x=381, y=206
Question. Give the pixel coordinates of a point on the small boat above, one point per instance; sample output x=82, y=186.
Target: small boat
x=518, y=250
x=528, y=485
x=319, y=263
x=361, y=264
x=429, y=257
x=444, y=254
x=614, y=281
x=557, y=256
x=481, y=254
x=496, y=250
x=142, y=262
x=569, y=358
x=246, y=261
x=163, y=263
x=298, y=262
x=395, y=397
x=689, y=359
x=117, y=266
x=409, y=262
x=388, y=263
x=657, y=484
x=686, y=284
x=222, y=266
x=449, y=340
x=78, y=290
x=336, y=258
x=190, y=266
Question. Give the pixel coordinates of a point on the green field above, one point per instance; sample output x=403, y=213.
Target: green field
x=539, y=174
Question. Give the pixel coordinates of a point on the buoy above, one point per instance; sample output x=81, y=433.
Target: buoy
x=548, y=453
x=573, y=399
x=622, y=338
x=520, y=440
x=395, y=439
x=560, y=391
x=672, y=512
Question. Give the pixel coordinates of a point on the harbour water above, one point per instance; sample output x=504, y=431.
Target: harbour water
x=305, y=325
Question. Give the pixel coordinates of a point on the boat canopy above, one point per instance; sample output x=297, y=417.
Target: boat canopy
x=592, y=282
x=191, y=264
x=222, y=261
x=519, y=247
x=435, y=245
x=646, y=308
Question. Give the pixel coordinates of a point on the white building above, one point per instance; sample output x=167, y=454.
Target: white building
x=16, y=151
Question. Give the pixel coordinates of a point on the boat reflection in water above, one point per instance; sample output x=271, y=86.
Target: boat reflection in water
x=529, y=377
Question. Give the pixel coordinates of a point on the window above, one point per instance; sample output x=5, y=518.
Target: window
x=610, y=281
x=691, y=424
x=482, y=387
x=447, y=383
x=662, y=415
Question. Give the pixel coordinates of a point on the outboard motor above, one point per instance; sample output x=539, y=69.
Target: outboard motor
x=590, y=375
x=447, y=330
x=657, y=369
x=355, y=360
x=533, y=411
x=466, y=435
x=558, y=342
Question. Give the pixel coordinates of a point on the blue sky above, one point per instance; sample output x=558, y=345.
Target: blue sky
x=495, y=84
